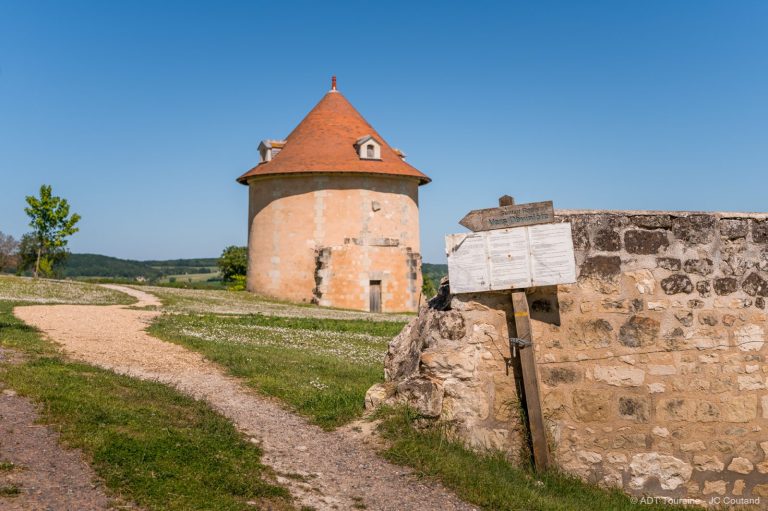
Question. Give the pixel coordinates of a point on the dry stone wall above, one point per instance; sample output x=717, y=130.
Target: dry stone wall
x=652, y=367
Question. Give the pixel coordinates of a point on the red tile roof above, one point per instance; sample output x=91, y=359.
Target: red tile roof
x=325, y=142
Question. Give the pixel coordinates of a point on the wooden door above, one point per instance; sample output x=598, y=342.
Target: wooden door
x=375, y=296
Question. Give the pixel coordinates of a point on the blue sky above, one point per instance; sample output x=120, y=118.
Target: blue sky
x=143, y=113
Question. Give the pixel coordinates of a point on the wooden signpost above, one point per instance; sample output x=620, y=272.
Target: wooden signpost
x=505, y=217
x=514, y=259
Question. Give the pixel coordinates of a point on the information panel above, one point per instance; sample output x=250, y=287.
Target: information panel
x=538, y=255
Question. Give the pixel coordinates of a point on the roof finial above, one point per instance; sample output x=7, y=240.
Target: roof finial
x=333, y=82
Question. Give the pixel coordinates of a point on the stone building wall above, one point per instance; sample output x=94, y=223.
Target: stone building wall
x=652, y=367
x=302, y=229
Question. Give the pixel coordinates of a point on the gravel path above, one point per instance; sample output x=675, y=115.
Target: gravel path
x=47, y=476
x=339, y=471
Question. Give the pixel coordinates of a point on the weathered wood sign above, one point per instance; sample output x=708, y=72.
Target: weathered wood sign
x=538, y=255
x=505, y=217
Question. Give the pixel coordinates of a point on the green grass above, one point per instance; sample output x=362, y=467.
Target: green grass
x=6, y=466
x=322, y=367
x=489, y=481
x=149, y=443
x=18, y=289
x=9, y=491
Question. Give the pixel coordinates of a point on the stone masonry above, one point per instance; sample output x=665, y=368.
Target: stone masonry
x=652, y=367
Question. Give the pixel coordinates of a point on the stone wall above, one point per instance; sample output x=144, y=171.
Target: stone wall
x=652, y=367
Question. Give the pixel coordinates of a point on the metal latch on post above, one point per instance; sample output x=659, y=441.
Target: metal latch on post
x=515, y=342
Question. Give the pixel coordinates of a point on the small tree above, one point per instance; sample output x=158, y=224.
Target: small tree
x=428, y=287
x=51, y=225
x=8, y=248
x=233, y=262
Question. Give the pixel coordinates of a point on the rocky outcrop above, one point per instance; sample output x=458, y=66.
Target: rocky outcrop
x=449, y=364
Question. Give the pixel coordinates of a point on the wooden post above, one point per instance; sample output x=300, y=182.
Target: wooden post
x=530, y=382
x=506, y=200
x=528, y=365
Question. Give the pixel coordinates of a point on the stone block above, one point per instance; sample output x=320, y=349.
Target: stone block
x=591, y=405
x=643, y=281
x=741, y=466
x=749, y=337
x=726, y=285
x=675, y=409
x=734, y=228
x=634, y=408
x=704, y=287
x=677, y=284
x=554, y=376
x=694, y=229
x=601, y=267
x=669, y=263
x=645, y=242
x=714, y=487
x=652, y=221
x=619, y=376
x=703, y=463
x=595, y=333
x=670, y=472
x=760, y=231
x=741, y=408
x=639, y=331
x=607, y=240
x=701, y=267
x=693, y=446
x=755, y=285
x=662, y=370
x=750, y=382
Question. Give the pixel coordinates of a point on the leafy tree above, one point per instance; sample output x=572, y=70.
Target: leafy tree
x=27, y=257
x=8, y=255
x=51, y=224
x=428, y=287
x=233, y=262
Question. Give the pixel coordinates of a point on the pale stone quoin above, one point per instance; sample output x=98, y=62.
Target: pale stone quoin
x=334, y=215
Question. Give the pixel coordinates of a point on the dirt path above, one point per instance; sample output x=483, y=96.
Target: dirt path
x=339, y=471
x=46, y=476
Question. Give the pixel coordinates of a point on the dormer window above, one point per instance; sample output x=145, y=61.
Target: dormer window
x=268, y=149
x=368, y=148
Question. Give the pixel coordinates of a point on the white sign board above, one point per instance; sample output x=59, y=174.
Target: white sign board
x=538, y=255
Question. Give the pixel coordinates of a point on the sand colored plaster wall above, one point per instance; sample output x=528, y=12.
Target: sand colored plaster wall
x=300, y=225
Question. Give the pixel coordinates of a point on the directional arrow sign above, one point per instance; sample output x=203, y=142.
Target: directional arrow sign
x=505, y=217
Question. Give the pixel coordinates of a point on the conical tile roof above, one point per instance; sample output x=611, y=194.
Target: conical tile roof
x=325, y=142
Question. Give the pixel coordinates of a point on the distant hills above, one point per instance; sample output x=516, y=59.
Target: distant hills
x=182, y=270
x=95, y=265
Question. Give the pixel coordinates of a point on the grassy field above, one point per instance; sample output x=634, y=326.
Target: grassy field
x=322, y=367
x=193, y=277
x=23, y=289
x=150, y=444
x=201, y=301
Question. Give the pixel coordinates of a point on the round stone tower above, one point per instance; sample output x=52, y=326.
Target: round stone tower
x=333, y=215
